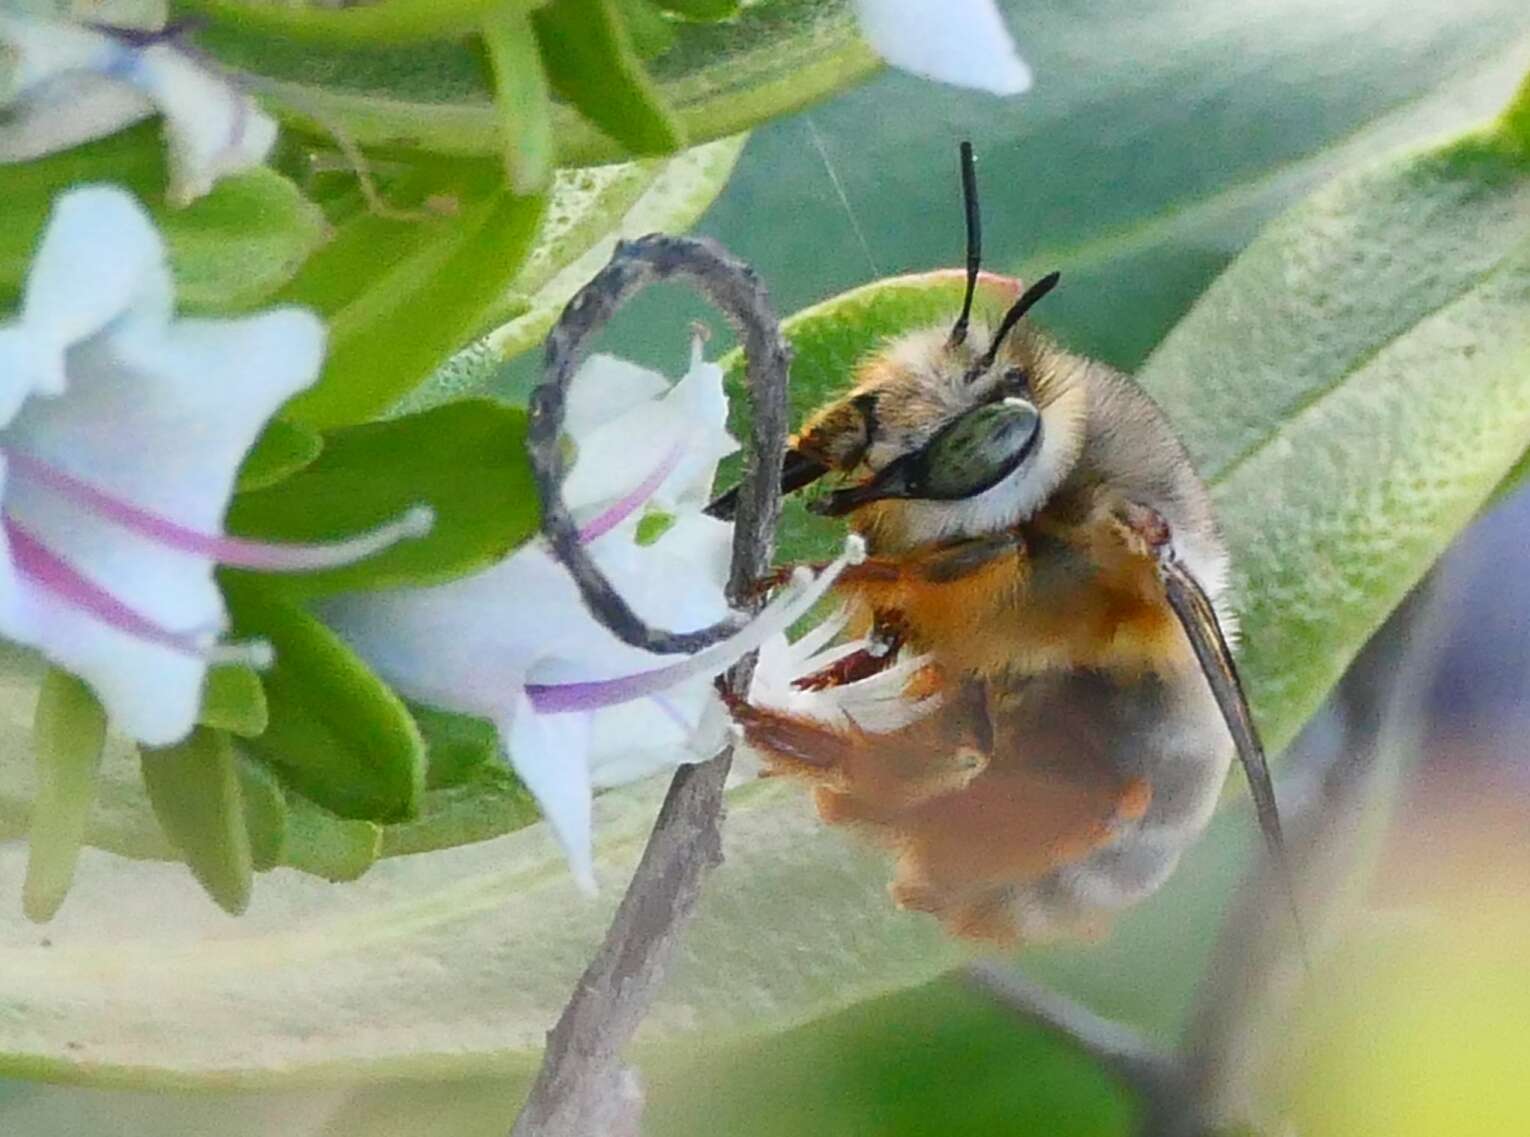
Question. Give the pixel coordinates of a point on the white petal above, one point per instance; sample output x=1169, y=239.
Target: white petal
x=689, y=419
x=549, y=753
x=641, y=738
x=62, y=113
x=36, y=51
x=964, y=42
x=100, y=258
x=212, y=126
x=606, y=387
x=162, y=422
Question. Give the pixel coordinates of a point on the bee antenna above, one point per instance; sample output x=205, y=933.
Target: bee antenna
x=974, y=241
x=1028, y=300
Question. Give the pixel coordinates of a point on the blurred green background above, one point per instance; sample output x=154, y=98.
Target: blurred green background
x=1159, y=137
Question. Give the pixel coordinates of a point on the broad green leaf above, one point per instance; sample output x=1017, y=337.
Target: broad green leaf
x=282, y=449
x=719, y=78
x=230, y=250
x=701, y=9
x=523, y=97
x=592, y=63
x=401, y=293
x=69, y=732
x=336, y=732
x=194, y=788
x=588, y=212
x=1355, y=390
x=233, y=700
x=1326, y=532
x=465, y=460
x=1158, y=139
x=381, y=21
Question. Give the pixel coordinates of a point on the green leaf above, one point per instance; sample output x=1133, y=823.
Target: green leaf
x=456, y=746
x=325, y=845
x=719, y=79
x=379, y=22
x=591, y=62
x=194, y=788
x=69, y=731
x=400, y=295
x=337, y=733
x=524, y=100
x=233, y=700
x=265, y=812
x=489, y=802
x=701, y=9
x=1354, y=390
x=230, y=250
x=282, y=449
x=465, y=460
x=588, y=212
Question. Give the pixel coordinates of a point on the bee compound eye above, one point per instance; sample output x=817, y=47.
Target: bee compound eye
x=977, y=450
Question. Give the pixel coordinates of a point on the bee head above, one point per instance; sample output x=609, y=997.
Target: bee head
x=950, y=430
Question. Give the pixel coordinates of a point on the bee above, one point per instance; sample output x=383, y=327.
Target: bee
x=1037, y=536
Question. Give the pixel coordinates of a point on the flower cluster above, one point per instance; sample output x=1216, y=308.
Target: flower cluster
x=126, y=430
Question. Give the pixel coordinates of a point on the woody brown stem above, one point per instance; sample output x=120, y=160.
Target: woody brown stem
x=583, y=1087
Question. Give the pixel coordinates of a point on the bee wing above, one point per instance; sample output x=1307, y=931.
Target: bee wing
x=1199, y=619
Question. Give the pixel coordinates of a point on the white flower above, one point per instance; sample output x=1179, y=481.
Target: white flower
x=63, y=84
x=121, y=433
x=963, y=42
x=577, y=708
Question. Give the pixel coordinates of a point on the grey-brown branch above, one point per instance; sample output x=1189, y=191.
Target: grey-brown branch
x=582, y=1088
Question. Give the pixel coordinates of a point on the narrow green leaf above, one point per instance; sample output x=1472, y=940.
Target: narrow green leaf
x=194, y=788
x=649, y=32
x=324, y=845
x=337, y=733
x=456, y=746
x=722, y=78
x=265, y=811
x=282, y=449
x=524, y=100
x=465, y=460
x=588, y=212
x=230, y=250
x=377, y=22
x=489, y=802
x=592, y=63
x=1515, y=124
x=68, y=731
x=401, y=295
x=233, y=700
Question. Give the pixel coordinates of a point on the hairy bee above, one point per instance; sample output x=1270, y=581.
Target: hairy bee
x=1037, y=534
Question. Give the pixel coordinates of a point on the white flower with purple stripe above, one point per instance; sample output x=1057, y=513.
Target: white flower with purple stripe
x=121, y=434
x=576, y=708
x=62, y=84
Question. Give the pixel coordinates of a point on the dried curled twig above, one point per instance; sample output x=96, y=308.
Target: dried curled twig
x=733, y=287
x=582, y=1088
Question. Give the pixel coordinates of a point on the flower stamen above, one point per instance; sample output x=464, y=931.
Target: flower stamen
x=236, y=552
x=55, y=575
x=614, y=514
x=786, y=609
